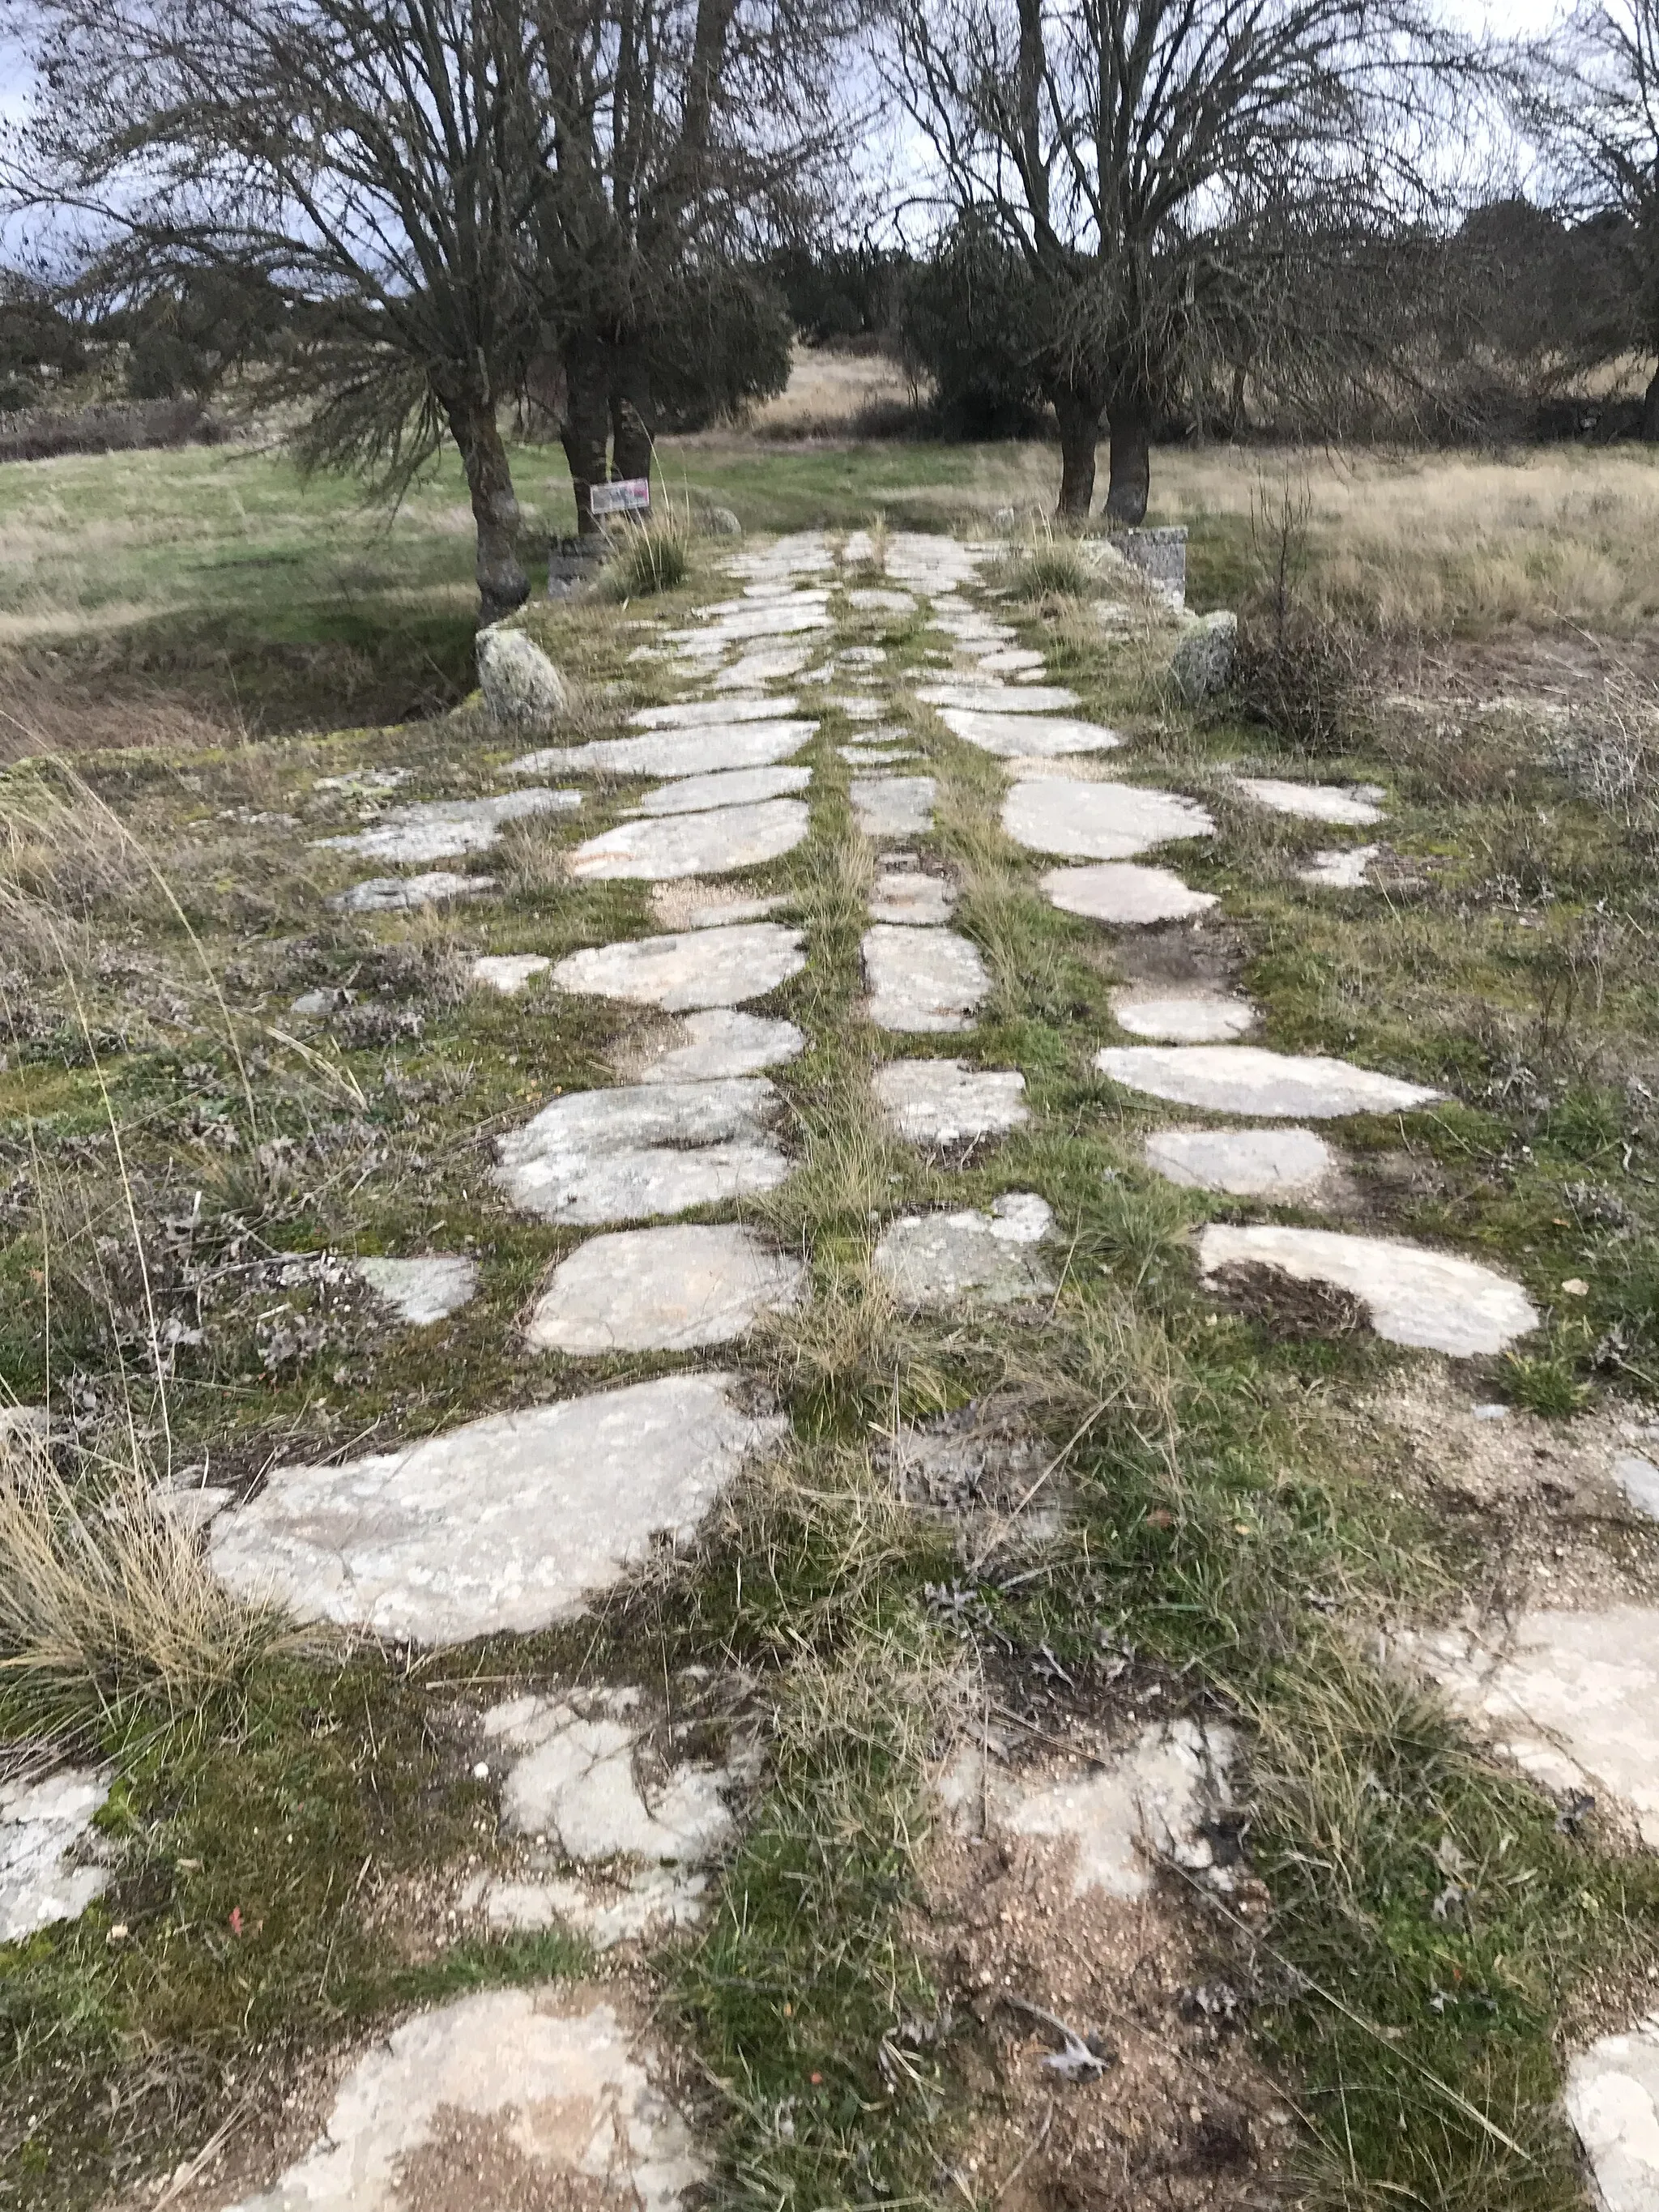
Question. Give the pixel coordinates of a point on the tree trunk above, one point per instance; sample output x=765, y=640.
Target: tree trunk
x=631, y=411
x=582, y=433
x=502, y=583
x=1080, y=434
x=1650, y=410
x=1131, y=461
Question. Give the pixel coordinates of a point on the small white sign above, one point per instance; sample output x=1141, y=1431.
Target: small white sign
x=629, y=495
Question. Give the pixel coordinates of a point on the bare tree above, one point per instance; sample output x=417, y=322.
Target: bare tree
x=1591, y=97
x=686, y=133
x=381, y=163
x=1168, y=173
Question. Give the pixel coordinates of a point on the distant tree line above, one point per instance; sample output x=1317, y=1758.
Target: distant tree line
x=400, y=218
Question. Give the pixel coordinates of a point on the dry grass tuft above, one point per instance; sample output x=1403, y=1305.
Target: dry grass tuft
x=104, y=1598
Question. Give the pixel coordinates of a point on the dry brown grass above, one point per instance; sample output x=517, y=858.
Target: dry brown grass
x=102, y=1598
x=1441, y=542
x=833, y=395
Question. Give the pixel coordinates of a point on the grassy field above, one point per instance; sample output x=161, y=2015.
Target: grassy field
x=1246, y=1504
x=155, y=597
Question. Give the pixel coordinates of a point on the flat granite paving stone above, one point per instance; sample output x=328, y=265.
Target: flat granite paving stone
x=1611, y=2101
x=686, y=903
x=1637, y=1477
x=692, y=968
x=529, y=2097
x=946, y=1102
x=675, y=752
x=572, y=1781
x=1435, y=1300
x=1007, y=661
x=735, y=786
x=1125, y=894
x=445, y=829
x=904, y=895
x=1247, y=1079
x=509, y=972
x=1186, y=1017
x=1013, y=736
x=1285, y=1163
x=707, y=713
x=43, y=1826
x=771, y=664
x=893, y=806
x=999, y=698
x=1356, y=806
x=505, y=1524
x=713, y=843
x=1571, y=1696
x=1154, y=1799
x=1342, y=868
x=1099, y=821
x=934, y=1258
x=721, y=1042
x=422, y=1291
x=401, y=894
x=662, y=1290
x=868, y=599
x=598, y=1156
x=922, y=980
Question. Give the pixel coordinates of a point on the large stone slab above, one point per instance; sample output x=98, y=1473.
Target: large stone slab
x=405, y=894
x=737, y=786
x=790, y=617
x=509, y=972
x=662, y=1290
x=1275, y=1163
x=770, y=665
x=643, y=1149
x=44, y=1826
x=1356, y=806
x=692, y=968
x=946, y=1102
x=1007, y=661
x=673, y=753
x=714, y=843
x=710, y=714
x=934, y=1258
x=1435, y=1300
x=1125, y=894
x=573, y=1782
x=922, y=980
x=1612, y=2102
x=999, y=698
x=905, y=895
x=524, y=2097
x=422, y=1291
x=893, y=806
x=1029, y=735
x=1341, y=868
x=505, y=1524
x=720, y=1042
x=871, y=601
x=1128, y=1808
x=683, y=902
x=1247, y=1079
x=1185, y=1018
x=1099, y=821
x=1572, y=1698
x=444, y=829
